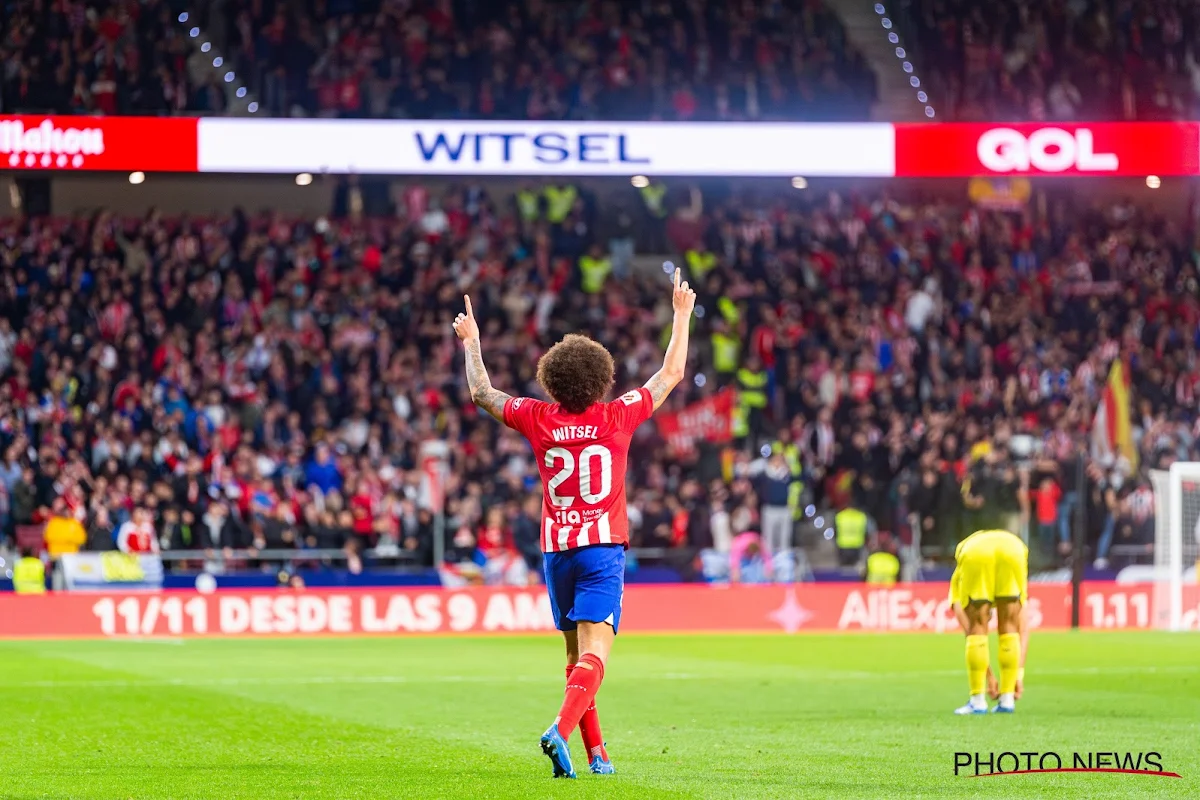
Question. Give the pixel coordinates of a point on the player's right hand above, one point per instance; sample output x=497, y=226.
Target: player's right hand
x=1019, y=690
x=465, y=325
x=683, y=299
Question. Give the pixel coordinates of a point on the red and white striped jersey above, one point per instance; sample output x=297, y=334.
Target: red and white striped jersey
x=582, y=459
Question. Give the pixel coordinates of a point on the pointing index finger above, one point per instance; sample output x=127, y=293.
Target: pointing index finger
x=677, y=277
x=467, y=300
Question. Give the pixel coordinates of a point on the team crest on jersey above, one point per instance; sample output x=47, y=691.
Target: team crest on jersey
x=517, y=401
x=629, y=398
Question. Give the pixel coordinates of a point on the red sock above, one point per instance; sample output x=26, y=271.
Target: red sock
x=582, y=685
x=589, y=729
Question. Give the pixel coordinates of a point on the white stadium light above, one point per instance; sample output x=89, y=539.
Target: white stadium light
x=138, y=177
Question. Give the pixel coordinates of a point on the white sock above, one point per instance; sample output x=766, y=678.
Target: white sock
x=1007, y=700
x=978, y=701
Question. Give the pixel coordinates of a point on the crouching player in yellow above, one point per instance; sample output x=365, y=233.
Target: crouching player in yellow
x=992, y=571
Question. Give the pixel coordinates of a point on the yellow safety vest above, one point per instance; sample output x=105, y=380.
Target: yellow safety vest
x=595, y=273
x=883, y=568
x=791, y=454
x=725, y=352
x=699, y=264
x=752, y=388
x=850, y=528
x=527, y=204
x=652, y=196
x=559, y=201
x=29, y=576
x=729, y=311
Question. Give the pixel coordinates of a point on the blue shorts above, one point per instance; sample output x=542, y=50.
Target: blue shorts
x=585, y=585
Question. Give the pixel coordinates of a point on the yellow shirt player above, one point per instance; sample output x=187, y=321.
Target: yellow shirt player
x=992, y=571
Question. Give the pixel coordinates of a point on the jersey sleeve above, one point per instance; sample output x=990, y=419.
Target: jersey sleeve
x=521, y=414
x=633, y=408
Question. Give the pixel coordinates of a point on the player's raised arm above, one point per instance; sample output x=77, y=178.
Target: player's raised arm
x=683, y=300
x=483, y=395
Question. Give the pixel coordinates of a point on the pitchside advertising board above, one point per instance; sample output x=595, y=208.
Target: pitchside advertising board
x=393, y=147
x=647, y=609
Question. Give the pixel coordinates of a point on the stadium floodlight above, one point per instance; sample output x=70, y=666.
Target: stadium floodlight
x=304, y=179
x=137, y=178
x=252, y=108
x=799, y=183
x=639, y=181
x=1153, y=181
x=183, y=17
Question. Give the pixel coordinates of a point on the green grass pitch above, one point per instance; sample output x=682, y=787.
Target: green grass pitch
x=724, y=717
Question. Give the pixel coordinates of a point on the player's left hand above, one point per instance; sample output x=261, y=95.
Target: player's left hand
x=464, y=324
x=683, y=297
x=1019, y=690
x=993, y=685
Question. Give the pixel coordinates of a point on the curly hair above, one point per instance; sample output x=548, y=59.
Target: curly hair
x=576, y=373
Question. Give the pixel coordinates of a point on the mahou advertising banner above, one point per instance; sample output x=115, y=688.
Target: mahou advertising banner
x=99, y=143
x=709, y=419
x=647, y=609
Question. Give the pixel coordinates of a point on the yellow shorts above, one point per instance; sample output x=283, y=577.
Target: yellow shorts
x=992, y=565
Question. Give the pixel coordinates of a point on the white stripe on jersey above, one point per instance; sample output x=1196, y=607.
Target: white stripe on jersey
x=549, y=526
x=604, y=530
x=564, y=536
x=582, y=539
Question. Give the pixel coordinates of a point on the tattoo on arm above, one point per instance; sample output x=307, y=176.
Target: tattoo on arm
x=482, y=394
x=659, y=387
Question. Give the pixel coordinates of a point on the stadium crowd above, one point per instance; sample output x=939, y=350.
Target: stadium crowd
x=102, y=57
x=547, y=59
x=1021, y=60
x=442, y=59
x=262, y=382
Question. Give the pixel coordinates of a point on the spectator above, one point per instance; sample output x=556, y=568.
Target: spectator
x=749, y=560
x=527, y=533
x=220, y=531
x=851, y=528
x=883, y=565
x=1046, y=502
x=29, y=574
x=775, y=483
x=64, y=531
x=100, y=532
x=137, y=535
x=321, y=472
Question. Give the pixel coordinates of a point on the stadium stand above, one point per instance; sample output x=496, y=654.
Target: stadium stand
x=442, y=60
x=1018, y=60
x=548, y=59
x=102, y=57
x=263, y=382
